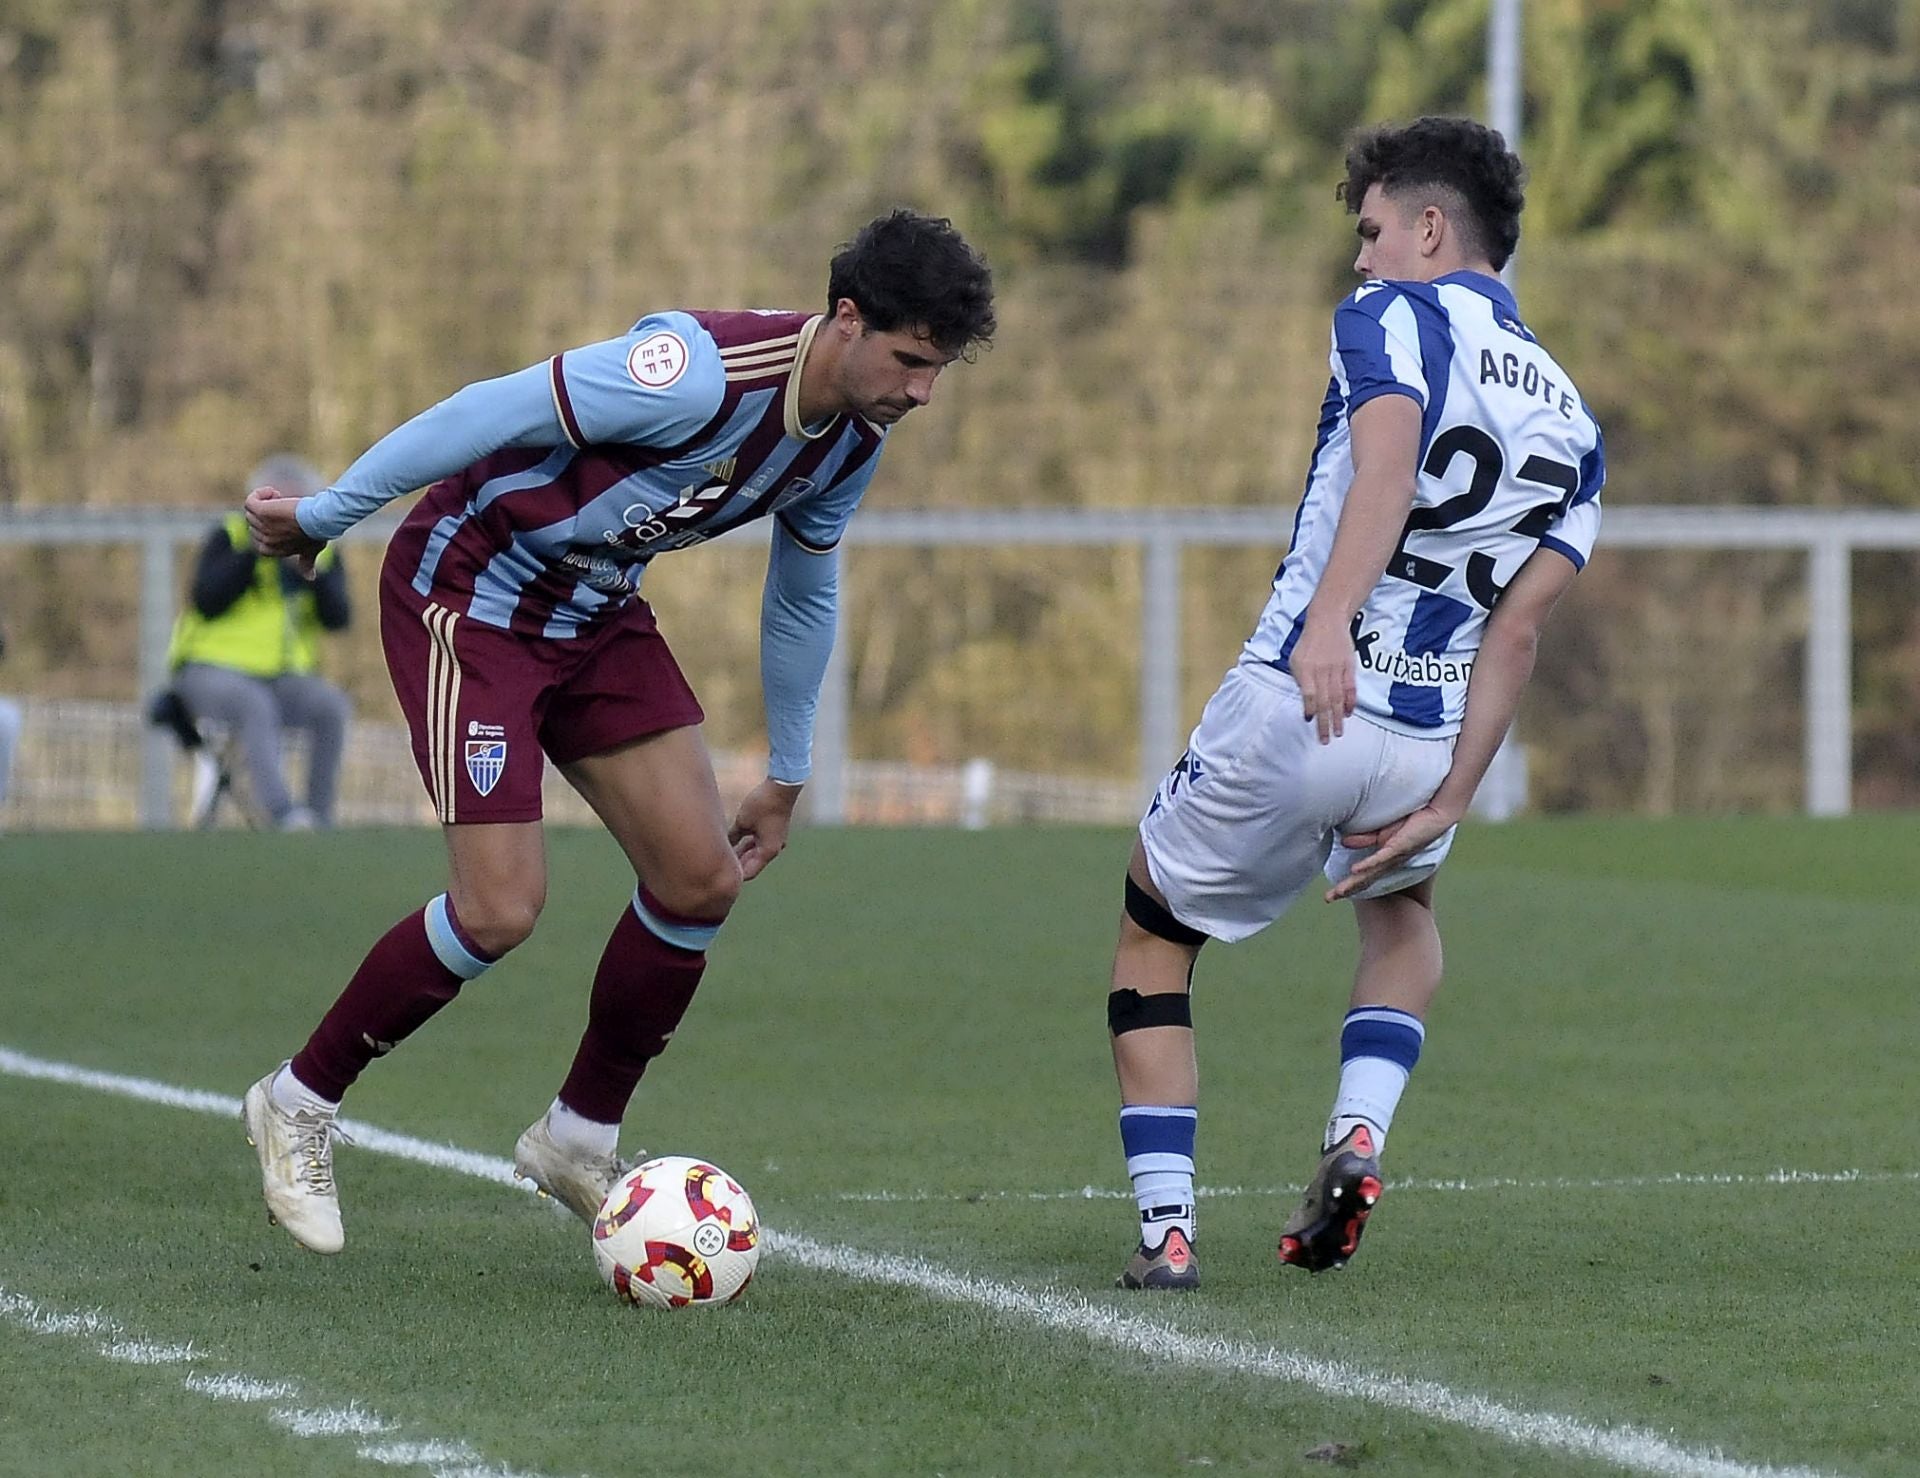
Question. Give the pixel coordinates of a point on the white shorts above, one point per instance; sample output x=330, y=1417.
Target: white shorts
x=1256, y=805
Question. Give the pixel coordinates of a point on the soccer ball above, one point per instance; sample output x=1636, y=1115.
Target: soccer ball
x=676, y=1231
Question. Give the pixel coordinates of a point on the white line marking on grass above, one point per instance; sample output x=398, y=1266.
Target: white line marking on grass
x=446, y=1459
x=1629, y=1447
x=240, y=1388
x=491, y=1168
x=330, y=1421
x=419, y=1454
x=442, y=1459
x=140, y=1352
x=1633, y=1448
x=1781, y=1177
x=29, y=1315
x=366, y=1136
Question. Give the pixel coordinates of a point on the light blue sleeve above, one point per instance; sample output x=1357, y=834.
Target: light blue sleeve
x=817, y=522
x=798, y=613
x=656, y=385
x=514, y=410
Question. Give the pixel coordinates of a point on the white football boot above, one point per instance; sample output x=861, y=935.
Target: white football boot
x=580, y=1183
x=296, y=1167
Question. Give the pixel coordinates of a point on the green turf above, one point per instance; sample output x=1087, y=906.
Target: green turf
x=921, y=1014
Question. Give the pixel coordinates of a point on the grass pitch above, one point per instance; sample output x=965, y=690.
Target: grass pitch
x=900, y=1050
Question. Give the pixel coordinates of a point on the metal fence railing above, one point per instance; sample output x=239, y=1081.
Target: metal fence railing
x=843, y=791
x=79, y=769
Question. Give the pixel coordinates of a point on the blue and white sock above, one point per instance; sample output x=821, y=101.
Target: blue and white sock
x=1378, y=1048
x=1158, y=1139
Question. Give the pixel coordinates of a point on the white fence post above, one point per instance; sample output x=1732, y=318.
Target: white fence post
x=1159, y=658
x=976, y=794
x=156, y=630
x=1829, y=678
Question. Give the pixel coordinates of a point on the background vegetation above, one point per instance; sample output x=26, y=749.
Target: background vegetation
x=229, y=227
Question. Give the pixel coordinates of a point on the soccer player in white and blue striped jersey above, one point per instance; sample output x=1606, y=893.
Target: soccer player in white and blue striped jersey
x=1452, y=496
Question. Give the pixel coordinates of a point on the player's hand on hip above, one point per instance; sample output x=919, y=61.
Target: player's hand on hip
x=760, y=827
x=276, y=530
x=1322, y=665
x=1393, y=844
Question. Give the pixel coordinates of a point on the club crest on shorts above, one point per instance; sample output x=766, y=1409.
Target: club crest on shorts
x=486, y=762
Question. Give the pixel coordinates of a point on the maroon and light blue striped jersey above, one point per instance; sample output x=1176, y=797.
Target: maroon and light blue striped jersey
x=553, y=487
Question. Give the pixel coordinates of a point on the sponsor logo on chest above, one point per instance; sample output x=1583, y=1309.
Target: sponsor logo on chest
x=692, y=516
x=1416, y=669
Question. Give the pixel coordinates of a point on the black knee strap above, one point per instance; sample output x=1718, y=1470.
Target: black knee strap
x=1152, y=915
x=1129, y=1011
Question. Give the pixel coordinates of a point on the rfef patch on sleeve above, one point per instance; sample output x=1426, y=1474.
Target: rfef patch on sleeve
x=659, y=359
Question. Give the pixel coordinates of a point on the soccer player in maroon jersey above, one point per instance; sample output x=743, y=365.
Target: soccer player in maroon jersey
x=514, y=632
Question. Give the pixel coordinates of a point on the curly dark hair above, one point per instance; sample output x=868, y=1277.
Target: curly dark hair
x=1458, y=155
x=909, y=271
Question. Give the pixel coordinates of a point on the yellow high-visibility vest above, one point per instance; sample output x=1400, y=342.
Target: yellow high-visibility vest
x=265, y=633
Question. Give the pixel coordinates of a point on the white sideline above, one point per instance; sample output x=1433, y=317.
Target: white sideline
x=441, y=1459
x=1705, y=1178
x=1635, y=1449
x=351, y=1420
x=240, y=1388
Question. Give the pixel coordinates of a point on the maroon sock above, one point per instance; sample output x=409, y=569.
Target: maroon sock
x=398, y=986
x=640, y=992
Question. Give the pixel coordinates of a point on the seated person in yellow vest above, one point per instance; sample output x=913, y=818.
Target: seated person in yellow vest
x=245, y=651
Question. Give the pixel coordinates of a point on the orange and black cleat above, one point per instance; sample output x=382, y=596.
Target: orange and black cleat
x=1171, y=1265
x=1326, y=1229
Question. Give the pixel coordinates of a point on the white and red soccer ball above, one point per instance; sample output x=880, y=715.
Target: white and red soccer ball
x=676, y=1231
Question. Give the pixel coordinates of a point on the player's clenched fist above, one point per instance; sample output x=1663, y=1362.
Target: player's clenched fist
x=276, y=531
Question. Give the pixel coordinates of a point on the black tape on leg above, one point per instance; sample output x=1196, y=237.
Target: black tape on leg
x=1150, y=914
x=1128, y=1010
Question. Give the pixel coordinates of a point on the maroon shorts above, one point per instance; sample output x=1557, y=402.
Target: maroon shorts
x=483, y=705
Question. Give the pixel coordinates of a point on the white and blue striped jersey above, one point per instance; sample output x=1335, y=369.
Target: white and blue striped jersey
x=1510, y=461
